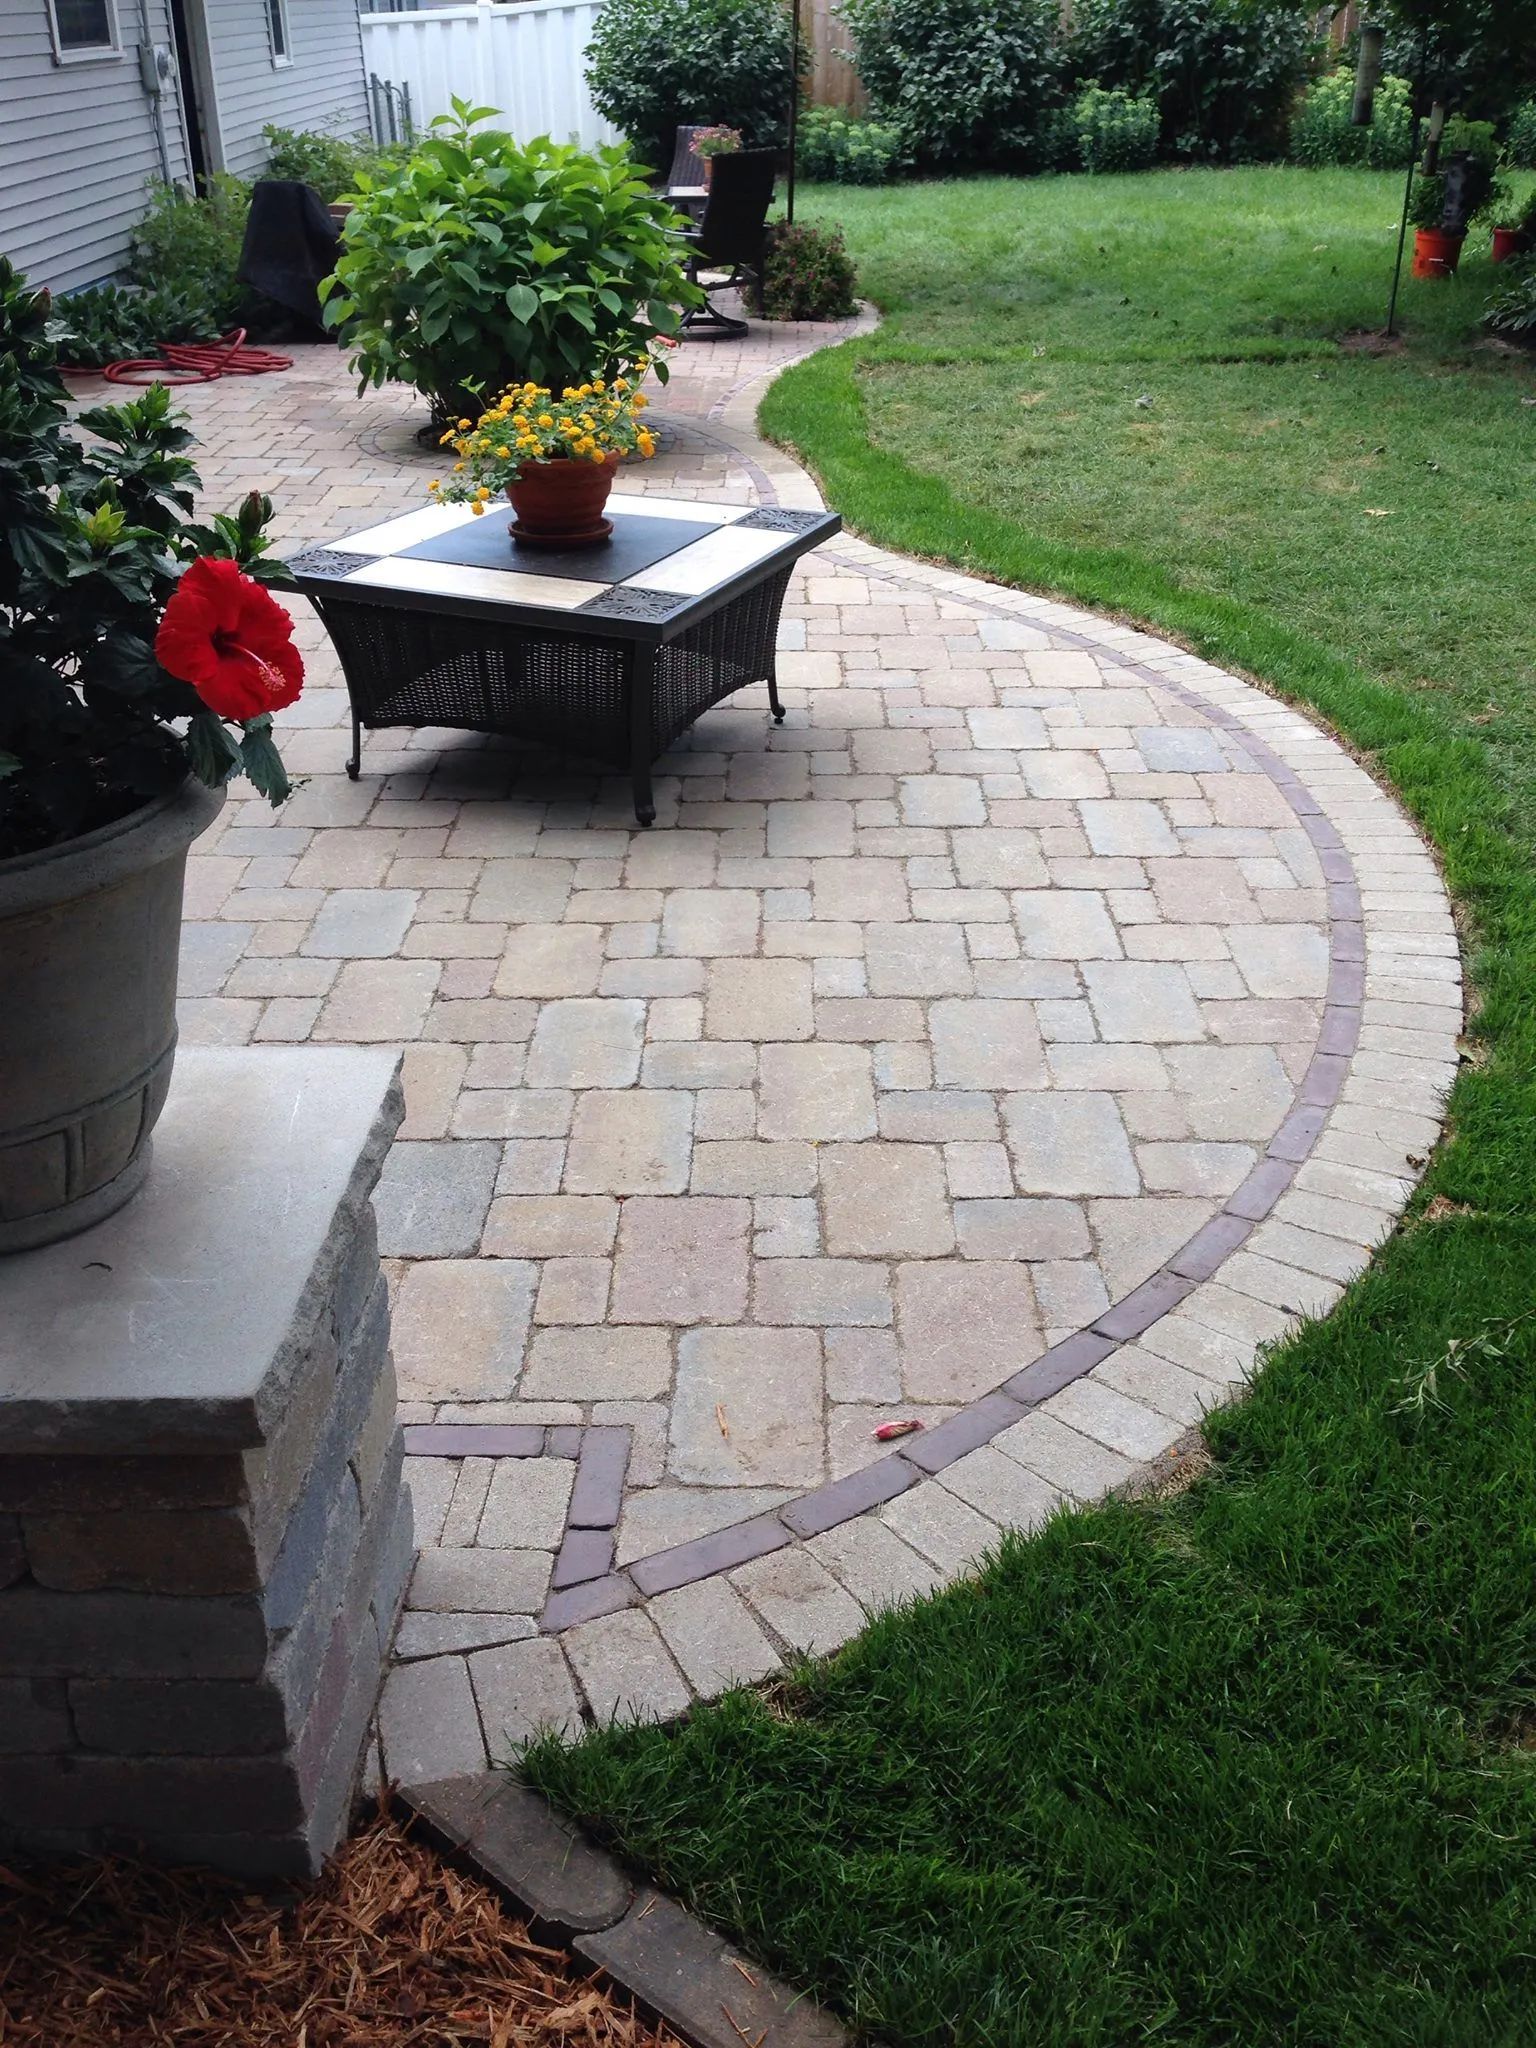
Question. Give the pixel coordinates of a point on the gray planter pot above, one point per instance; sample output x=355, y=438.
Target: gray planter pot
x=89, y=934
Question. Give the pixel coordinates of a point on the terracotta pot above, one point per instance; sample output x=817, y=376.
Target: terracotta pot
x=1436, y=253
x=560, y=504
x=89, y=933
x=709, y=170
x=1507, y=244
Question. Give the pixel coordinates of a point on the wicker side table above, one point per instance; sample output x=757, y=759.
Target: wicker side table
x=608, y=652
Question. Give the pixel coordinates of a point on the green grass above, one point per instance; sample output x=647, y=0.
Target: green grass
x=1253, y=1766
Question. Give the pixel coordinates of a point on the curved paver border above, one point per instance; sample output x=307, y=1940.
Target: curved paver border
x=1101, y=1408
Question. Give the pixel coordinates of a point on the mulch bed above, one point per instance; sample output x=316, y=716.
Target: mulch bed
x=390, y=1947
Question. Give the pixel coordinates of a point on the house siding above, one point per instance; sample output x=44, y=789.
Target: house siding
x=322, y=87
x=77, y=146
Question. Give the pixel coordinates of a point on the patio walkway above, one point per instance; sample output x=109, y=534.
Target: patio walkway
x=1040, y=1010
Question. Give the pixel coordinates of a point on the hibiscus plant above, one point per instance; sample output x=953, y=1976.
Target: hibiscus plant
x=135, y=644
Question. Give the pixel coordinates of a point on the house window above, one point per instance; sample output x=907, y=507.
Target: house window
x=83, y=29
x=277, y=31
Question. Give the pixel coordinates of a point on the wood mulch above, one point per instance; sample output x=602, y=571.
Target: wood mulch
x=390, y=1948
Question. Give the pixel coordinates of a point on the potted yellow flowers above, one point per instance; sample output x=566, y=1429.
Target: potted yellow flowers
x=554, y=457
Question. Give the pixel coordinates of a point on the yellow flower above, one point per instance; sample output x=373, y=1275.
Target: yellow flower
x=639, y=401
x=503, y=454
x=546, y=419
x=463, y=426
x=597, y=384
x=446, y=438
x=644, y=443
x=460, y=466
x=476, y=507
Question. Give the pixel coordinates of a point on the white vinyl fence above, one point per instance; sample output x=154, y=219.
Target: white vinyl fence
x=526, y=61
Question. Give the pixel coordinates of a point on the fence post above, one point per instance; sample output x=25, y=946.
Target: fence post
x=485, y=53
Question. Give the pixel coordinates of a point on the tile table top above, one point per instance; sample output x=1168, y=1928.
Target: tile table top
x=668, y=562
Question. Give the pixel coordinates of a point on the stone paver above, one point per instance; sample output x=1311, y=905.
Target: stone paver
x=920, y=1033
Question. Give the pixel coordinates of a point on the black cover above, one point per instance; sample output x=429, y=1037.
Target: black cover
x=291, y=243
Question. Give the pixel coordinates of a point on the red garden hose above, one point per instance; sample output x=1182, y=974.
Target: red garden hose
x=198, y=362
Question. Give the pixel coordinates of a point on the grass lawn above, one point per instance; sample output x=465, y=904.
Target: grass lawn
x=1256, y=1765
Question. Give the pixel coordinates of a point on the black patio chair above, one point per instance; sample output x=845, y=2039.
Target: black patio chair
x=729, y=238
x=687, y=172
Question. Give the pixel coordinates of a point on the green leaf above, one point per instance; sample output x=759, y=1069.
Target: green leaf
x=522, y=302
x=212, y=750
x=262, y=762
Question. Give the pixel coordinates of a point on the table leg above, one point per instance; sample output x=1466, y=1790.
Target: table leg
x=355, y=760
x=642, y=683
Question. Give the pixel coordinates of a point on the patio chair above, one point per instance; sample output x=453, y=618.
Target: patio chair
x=729, y=238
x=687, y=173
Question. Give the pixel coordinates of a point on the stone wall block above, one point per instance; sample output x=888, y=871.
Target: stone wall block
x=379, y=1432
x=134, y=1797
x=13, y=1555
x=357, y=1272
x=34, y=1716
x=194, y=1717
x=47, y=1634
x=69, y=1485
x=194, y=1550
x=275, y=1476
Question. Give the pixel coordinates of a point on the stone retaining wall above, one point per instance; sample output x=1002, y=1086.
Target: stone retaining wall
x=204, y=1537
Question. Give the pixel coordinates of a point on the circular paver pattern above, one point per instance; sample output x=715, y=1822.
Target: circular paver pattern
x=1038, y=1022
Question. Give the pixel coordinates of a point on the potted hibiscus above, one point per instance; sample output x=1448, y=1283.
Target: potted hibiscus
x=555, y=458
x=142, y=660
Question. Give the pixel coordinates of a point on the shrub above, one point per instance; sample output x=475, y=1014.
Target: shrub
x=330, y=164
x=1114, y=130
x=1520, y=143
x=106, y=323
x=190, y=247
x=842, y=149
x=1224, y=72
x=481, y=262
x=94, y=534
x=966, y=83
x=656, y=65
x=807, y=275
x=1322, y=132
x=1512, y=309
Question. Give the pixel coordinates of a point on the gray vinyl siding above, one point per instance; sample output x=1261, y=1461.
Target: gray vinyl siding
x=77, y=146
x=321, y=88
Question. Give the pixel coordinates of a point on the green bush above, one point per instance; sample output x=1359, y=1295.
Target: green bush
x=1114, y=130
x=1322, y=132
x=968, y=84
x=1224, y=72
x=807, y=275
x=106, y=324
x=189, y=248
x=843, y=149
x=1512, y=309
x=481, y=260
x=1520, y=143
x=656, y=65
x=330, y=164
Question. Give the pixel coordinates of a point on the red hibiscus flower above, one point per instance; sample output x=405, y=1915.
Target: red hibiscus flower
x=231, y=640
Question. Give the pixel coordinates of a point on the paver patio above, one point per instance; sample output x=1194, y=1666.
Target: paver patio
x=1032, y=1026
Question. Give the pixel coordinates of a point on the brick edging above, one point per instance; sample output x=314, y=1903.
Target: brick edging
x=570, y=1891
